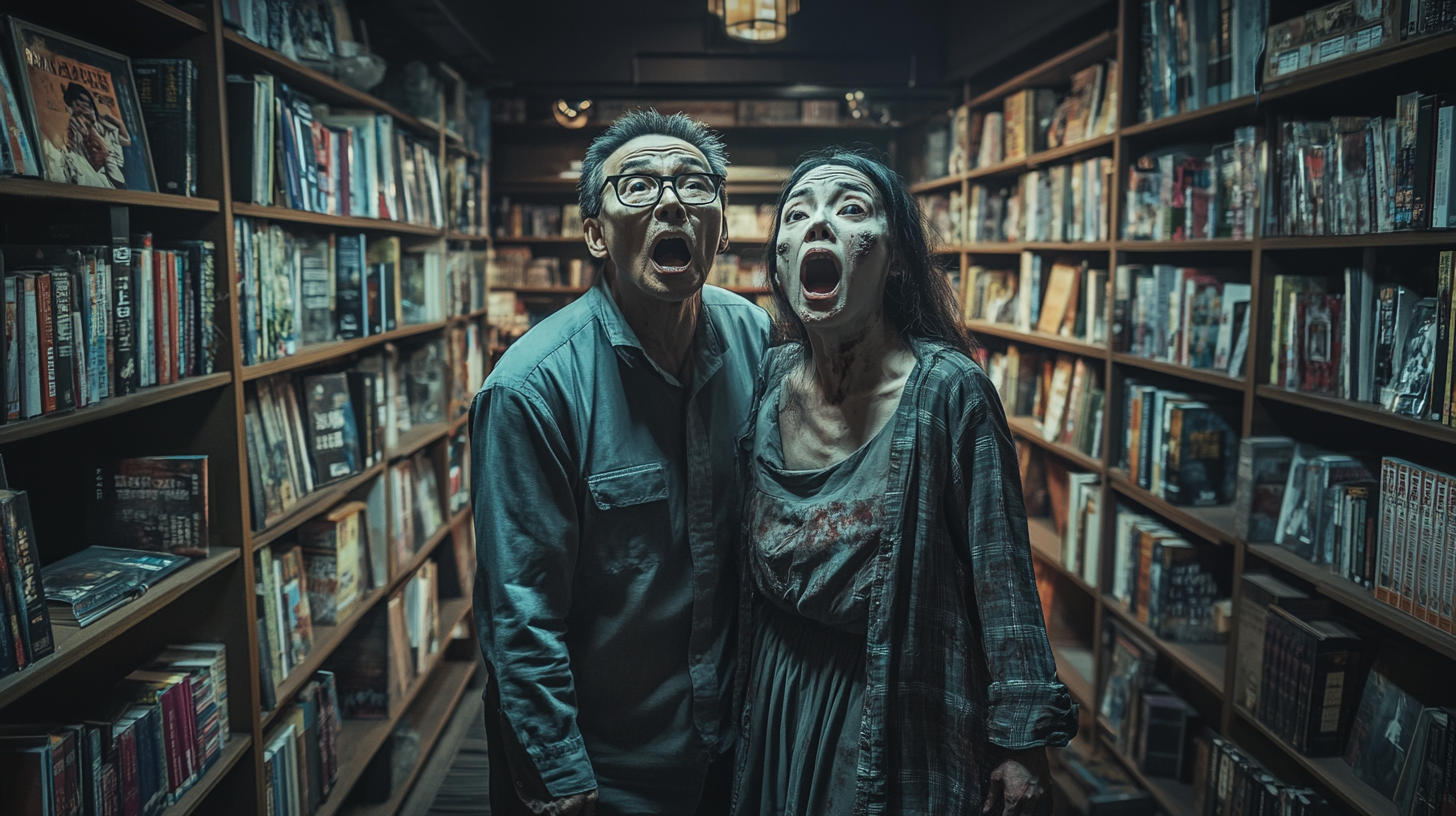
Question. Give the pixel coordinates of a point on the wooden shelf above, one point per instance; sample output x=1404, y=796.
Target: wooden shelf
x=1212, y=245
x=115, y=406
x=931, y=185
x=236, y=748
x=1216, y=524
x=312, y=504
x=1360, y=411
x=1031, y=430
x=316, y=83
x=465, y=236
x=1203, y=661
x=309, y=356
x=542, y=290
x=416, y=438
x=1070, y=658
x=540, y=239
x=75, y=643
x=429, y=717
x=340, y=222
x=1207, y=376
x=1422, y=238
x=1174, y=797
x=1357, y=598
x=1057, y=69
x=172, y=13
x=1043, y=157
x=1331, y=773
x=37, y=189
x=1016, y=248
x=1046, y=546
x=360, y=740
x=1036, y=338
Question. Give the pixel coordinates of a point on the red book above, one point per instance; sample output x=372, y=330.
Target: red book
x=174, y=322
x=131, y=803
x=161, y=293
x=1317, y=342
x=46, y=335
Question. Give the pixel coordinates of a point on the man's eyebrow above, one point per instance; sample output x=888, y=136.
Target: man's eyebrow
x=645, y=162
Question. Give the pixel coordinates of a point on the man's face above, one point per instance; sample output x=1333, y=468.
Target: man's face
x=833, y=247
x=83, y=109
x=664, y=251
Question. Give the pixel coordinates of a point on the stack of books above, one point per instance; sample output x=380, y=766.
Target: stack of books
x=465, y=272
x=1198, y=192
x=1180, y=447
x=1183, y=315
x=1226, y=779
x=1166, y=581
x=301, y=753
x=288, y=457
x=1062, y=394
x=1065, y=202
x=1067, y=299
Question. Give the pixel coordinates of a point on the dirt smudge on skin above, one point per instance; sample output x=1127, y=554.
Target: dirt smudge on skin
x=841, y=365
x=782, y=248
x=863, y=245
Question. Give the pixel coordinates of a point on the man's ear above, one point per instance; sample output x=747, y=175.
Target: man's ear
x=596, y=237
x=723, y=238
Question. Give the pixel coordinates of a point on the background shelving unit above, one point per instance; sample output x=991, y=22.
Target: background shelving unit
x=212, y=599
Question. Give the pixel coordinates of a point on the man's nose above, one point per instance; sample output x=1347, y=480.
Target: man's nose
x=669, y=206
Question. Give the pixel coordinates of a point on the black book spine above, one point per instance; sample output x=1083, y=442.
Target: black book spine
x=349, y=286
x=35, y=617
x=1424, y=162
x=65, y=347
x=240, y=103
x=163, y=87
x=124, y=364
x=12, y=648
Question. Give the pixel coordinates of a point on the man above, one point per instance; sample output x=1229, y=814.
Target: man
x=607, y=504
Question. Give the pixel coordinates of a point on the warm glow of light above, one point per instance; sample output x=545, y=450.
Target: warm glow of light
x=757, y=21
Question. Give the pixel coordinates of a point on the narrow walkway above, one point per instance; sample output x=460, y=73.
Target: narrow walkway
x=465, y=791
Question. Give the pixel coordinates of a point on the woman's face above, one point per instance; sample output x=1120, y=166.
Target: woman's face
x=834, y=248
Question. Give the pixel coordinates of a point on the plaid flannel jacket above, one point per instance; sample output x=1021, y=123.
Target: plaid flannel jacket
x=958, y=668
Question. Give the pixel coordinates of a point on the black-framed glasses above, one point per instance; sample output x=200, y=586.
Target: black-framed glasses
x=640, y=190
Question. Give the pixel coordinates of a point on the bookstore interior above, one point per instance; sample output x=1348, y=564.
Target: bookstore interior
x=260, y=255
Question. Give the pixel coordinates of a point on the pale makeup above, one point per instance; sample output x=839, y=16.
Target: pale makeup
x=834, y=248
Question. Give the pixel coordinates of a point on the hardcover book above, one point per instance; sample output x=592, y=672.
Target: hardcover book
x=86, y=586
x=155, y=503
x=332, y=433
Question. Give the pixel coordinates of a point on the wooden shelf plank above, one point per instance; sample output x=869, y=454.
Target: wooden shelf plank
x=1361, y=412
x=1331, y=773
x=1036, y=338
x=1207, y=376
x=173, y=13
x=342, y=222
x=236, y=748
x=465, y=236
x=1031, y=430
x=38, y=189
x=1174, y=797
x=1046, y=546
x=542, y=290
x=115, y=406
x=1203, y=661
x=416, y=438
x=316, y=83
x=75, y=643
x=324, y=352
x=1056, y=69
x=319, y=501
x=430, y=715
x=1357, y=598
x=1422, y=238
x=1214, y=245
x=360, y=739
x=931, y=185
x=1016, y=248
x=1216, y=524
x=540, y=239
x=1042, y=158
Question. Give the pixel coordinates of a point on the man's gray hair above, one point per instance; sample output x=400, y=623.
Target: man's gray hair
x=630, y=126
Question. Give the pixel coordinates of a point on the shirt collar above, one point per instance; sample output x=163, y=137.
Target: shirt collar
x=708, y=346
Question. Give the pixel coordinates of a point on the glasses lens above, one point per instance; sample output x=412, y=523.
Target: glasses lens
x=696, y=189
x=636, y=191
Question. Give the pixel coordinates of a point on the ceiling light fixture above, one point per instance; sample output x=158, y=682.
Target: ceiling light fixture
x=755, y=21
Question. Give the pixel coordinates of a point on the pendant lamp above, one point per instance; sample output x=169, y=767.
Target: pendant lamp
x=755, y=21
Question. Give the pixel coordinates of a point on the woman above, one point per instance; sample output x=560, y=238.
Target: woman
x=895, y=659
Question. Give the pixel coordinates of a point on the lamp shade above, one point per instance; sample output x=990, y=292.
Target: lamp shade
x=758, y=21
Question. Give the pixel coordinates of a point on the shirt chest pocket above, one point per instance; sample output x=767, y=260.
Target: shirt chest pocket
x=628, y=524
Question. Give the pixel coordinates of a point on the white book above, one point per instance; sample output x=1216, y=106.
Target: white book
x=1092, y=535
x=1233, y=295
x=1441, y=209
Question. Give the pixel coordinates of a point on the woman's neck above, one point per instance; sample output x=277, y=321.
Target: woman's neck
x=855, y=361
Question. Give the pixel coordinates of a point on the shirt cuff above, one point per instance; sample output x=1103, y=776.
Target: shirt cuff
x=564, y=767
x=1031, y=715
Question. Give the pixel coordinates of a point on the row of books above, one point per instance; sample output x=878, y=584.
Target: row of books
x=301, y=753
x=466, y=356
x=1197, y=54
x=1353, y=175
x=516, y=266
x=457, y=474
x=1066, y=202
x=138, y=748
x=1069, y=299
x=1377, y=343
x=1184, y=315
x=81, y=327
x=1074, y=505
x=515, y=220
x=1226, y=779
x=288, y=150
x=1336, y=31
x=1196, y=192
x=1143, y=719
x=733, y=271
x=467, y=208
x=417, y=509
x=1030, y=121
x=301, y=289
x=1180, y=447
x=310, y=32
x=1062, y=393
x=1165, y=581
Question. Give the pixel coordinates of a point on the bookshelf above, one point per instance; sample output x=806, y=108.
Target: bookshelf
x=212, y=599
x=1204, y=672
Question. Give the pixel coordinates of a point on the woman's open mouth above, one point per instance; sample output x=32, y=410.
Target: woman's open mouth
x=672, y=255
x=819, y=274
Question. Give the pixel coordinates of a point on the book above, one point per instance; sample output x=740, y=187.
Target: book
x=1304, y=697
x=32, y=628
x=166, y=91
x=1381, y=733
x=88, y=585
x=332, y=431
x=155, y=503
x=336, y=570
x=1262, y=476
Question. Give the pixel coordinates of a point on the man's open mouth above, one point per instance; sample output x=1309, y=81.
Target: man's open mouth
x=671, y=254
x=819, y=274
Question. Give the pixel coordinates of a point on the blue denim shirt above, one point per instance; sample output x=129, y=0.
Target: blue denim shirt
x=607, y=514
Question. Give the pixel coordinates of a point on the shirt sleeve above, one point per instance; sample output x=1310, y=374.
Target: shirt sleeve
x=526, y=538
x=1028, y=705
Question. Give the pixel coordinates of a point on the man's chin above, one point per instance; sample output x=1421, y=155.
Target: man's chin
x=670, y=285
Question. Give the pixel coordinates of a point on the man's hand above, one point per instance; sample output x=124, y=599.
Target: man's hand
x=1018, y=784
x=577, y=804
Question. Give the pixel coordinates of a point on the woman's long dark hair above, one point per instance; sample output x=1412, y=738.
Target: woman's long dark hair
x=919, y=301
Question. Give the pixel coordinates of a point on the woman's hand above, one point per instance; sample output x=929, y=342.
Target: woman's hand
x=1018, y=784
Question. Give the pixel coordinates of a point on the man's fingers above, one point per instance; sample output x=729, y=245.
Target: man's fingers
x=992, y=794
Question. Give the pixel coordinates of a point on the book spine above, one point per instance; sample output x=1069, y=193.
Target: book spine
x=45, y=330
x=1385, y=575
x=1422, y=161
x=1440, y=383
x=125, y=378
